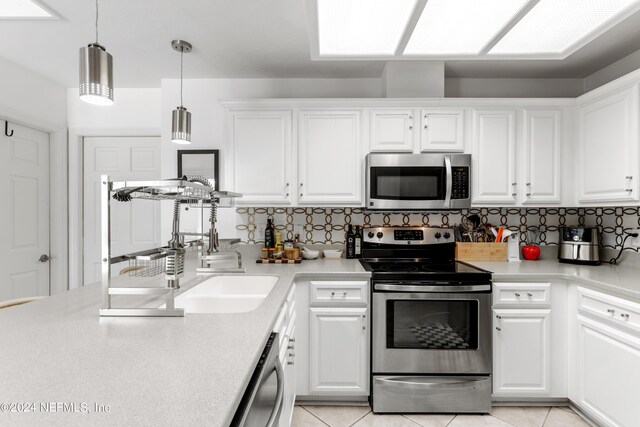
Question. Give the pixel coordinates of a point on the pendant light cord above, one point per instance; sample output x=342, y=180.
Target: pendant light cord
x=181, y=55
x=97, y=22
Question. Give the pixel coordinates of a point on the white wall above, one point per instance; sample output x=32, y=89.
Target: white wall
x=611, y=72
x=32, y=100
x=512, y=88
x=136, y=112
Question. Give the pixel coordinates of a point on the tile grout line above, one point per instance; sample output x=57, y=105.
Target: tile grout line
x=358, y=420
x=449, y=423
x=546, y=416
x=314, y=415
x=410, y=420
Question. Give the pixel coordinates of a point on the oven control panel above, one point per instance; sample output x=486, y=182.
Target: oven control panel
x=408, y=235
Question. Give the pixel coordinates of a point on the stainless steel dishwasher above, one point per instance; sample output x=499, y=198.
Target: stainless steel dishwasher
x=261, y=404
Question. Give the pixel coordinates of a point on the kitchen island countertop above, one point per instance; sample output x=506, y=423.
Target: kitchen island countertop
x=61, y=356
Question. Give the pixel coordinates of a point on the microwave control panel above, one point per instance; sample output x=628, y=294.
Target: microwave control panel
x=460, y=182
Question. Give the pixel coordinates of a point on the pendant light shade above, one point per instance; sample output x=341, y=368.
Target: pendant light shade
x=180, y=117
x=96, y=72
x=181, y=126
x=96, y=75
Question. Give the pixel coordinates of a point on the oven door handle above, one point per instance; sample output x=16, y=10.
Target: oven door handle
x=428, y=383
x=449, y=179
x=431, y=289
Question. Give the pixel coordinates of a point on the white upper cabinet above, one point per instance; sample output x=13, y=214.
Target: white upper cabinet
x=494, y=156
x=330, y=158
x=541, y=158
x=262, y=156
x=607, y=169
x=391, y=131
x=442, y=130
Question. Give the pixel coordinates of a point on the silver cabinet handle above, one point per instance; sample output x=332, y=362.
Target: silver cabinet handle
x=528, y=193
x=290, y=362
x=625, y=316
x=498, y=329
x=364, y=324
x=292, y=340
x=517, y=295
x=529, y=294
x=44, y=258
x=610, y=310
x=291, y=346
x=301, y=190
x=333, y=293
x=498, y=316
x=515, y=193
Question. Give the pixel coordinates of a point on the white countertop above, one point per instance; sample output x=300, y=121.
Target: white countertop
x=150, y=371
x=622, y=280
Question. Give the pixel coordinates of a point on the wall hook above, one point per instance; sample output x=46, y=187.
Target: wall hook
x=6, y=129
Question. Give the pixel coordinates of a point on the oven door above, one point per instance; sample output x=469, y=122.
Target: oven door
x=408, y=181
x=443, y=332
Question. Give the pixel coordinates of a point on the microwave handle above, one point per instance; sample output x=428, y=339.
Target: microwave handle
x=449, y=179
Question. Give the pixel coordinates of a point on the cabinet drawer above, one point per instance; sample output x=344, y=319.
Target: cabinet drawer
x=338, y=293
x=609, y=308
x=521, y=295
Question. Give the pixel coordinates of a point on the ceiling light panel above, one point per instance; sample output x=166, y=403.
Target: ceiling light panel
x=362, y=27
x=22, y=9
x=554, y=26
x=460, y=27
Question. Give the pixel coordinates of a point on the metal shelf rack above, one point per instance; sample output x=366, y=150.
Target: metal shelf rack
x=153, y=261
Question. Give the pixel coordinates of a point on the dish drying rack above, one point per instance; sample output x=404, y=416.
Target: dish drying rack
x=168, y=260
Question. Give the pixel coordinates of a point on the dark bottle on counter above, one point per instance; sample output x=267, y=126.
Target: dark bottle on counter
x=351, y=243
x=269, y=235
x=358, y=242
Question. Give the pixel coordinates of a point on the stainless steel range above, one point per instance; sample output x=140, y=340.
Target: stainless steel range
x=431, y=323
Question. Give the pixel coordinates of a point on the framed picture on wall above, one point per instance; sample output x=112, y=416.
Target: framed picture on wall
x=200, y=162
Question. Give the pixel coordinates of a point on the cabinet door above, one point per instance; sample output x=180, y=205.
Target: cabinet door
x=339, y=351
x=541, y=156
x=442, y=130
x=391, y=131
x=608, y=374
x=521, y=351
x=494, y=146
x=608, y=148
x=331, y=160
x=261, y=146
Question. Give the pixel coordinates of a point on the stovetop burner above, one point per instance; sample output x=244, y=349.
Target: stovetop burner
x=421, y=269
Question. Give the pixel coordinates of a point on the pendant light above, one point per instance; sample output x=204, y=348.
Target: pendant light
x=180, y=117
x=96, y=72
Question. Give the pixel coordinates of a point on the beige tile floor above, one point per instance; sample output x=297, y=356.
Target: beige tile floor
x=501, y=416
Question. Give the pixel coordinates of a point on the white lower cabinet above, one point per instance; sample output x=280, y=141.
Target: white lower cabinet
x=607, y=373
x=605, y=348
x=332, y=343
x=530, y=340
x=286, y=327
x=522, y=352
x=338, y=349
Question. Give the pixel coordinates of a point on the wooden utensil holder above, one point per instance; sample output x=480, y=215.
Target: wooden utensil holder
x=468, y=251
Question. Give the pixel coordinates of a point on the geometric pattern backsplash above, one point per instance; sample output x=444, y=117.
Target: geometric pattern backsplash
x=328, y=225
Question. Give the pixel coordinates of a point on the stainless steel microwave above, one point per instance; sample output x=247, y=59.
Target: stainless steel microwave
x=418, y=181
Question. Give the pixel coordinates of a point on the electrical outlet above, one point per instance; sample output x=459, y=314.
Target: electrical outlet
x=635, y=241
x=260, y=231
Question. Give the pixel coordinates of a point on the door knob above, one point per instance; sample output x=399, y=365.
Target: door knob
x=44, y=258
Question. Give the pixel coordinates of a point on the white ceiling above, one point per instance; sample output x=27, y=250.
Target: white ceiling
x=237, y=39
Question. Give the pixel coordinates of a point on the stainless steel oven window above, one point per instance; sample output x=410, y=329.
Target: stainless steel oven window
x=432, y=324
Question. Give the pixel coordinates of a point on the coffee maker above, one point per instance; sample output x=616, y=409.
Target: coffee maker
x=579, y=245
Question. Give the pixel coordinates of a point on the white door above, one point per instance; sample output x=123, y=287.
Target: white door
x=521, y=352
x=24, y=158
x=442, y=130
x=331, y=160
x=262, y=157
x=392, y=131
x=338, y=346
x=608, y=374
x=494, y=157
x=135, y=225
x=608, y=148
x=541, y=156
